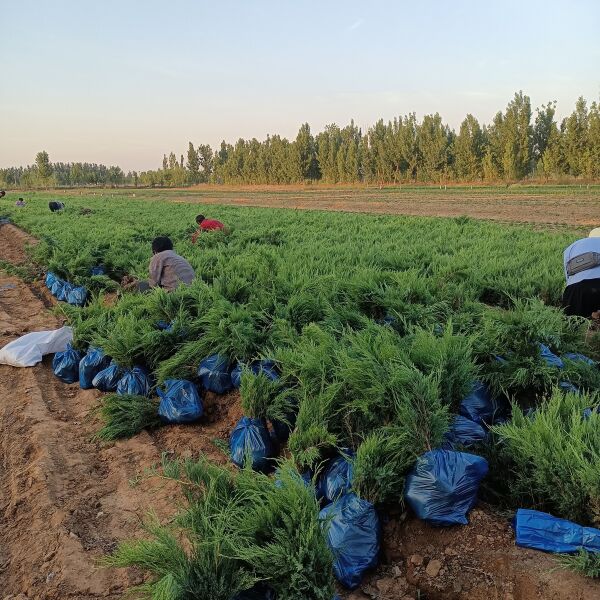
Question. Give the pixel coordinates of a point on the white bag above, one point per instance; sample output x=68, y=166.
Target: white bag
x=29, y=349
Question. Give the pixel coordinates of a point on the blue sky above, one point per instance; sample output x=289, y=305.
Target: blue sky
x=123, y=82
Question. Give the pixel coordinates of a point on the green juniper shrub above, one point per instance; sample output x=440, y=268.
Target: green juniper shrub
x=584, y=562
x=239, y=527
x=555, y=453
x=125, y=415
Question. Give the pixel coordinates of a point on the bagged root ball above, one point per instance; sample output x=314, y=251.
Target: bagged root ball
x=77, y=295
x=353, y=534
x=90, y=365
x=179, y=402
x=66, y=364
x=108, y=379
x=442, y=487
x=136, y=382
x=336, y=480
x=250, y=439
x=214, y=374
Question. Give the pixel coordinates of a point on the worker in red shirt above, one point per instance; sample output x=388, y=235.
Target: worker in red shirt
x=205, y=224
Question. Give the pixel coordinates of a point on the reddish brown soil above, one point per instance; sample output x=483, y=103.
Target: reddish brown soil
x=14, y=242
x=66, y=500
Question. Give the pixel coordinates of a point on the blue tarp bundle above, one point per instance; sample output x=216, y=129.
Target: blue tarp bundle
x=164, y=325
x=179, y=402
x=541, y=531
x=579, y=357
x=50, y=279
x=214, y=374
x=442, y=487
x=107, y=379
x=57, y=288
x=479, y=406
x=266, y=366
x=587, y=413
x=65, y=290
x=465, y=432
x=135, y=381
x=90, y=365
x=550, y=358
x=567, y=386
x=353, y=534
x=77, y=295
x=66, y=365
x=98, y=270
x=336, y=479
x=250, y=437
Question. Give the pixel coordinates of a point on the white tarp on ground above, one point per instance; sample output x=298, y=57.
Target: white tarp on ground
x=29, y=349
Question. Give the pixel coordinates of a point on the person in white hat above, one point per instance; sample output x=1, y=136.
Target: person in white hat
x=582, y=271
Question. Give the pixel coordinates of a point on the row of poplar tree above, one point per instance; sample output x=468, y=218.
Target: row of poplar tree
x=516, y=145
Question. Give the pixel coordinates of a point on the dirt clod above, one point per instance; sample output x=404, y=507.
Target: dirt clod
x=433, y=568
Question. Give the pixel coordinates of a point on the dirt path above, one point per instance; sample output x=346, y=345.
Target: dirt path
x=65, y=500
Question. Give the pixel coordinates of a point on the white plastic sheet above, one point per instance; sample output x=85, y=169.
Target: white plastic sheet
x=28, y=350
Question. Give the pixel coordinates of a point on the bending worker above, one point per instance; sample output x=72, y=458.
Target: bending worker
x=205, y=224
x=582, y=271
x=167, y=269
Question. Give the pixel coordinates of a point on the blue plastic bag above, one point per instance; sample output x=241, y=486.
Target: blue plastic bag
x=541, y=531
x=97, y=270
x=179, y=402
x=63, y=292
x=353, y=535
x=567, y=386
x=479, y=406
x=66, y=364
x=214, y=374
x=336, y=479
x=465, y=432
x=579, y=357
x=587, y=413
x=442, y=487
x=549, y=357
x=135, y=381
x=50, y=279
x=57, y=288
x=77, y=295
x=251, y=437
x=266, y=366
x=164, y=325
x=306, y=477
x=107, y=379
x=90, y=365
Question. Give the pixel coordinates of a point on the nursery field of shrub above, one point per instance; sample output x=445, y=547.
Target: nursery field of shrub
x=362, y=343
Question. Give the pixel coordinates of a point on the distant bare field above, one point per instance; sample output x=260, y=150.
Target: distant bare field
x=550, y=205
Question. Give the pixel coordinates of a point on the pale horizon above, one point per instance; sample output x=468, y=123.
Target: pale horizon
x=108, y=84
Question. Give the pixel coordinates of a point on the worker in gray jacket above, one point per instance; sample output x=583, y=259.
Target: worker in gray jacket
x=167, y=269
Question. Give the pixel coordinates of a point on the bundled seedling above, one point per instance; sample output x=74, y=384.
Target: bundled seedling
x=555, y=453
x=238, y=529
x=125, y=415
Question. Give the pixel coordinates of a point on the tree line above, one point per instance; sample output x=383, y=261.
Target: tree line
x=518, y=144
x=44, y=173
